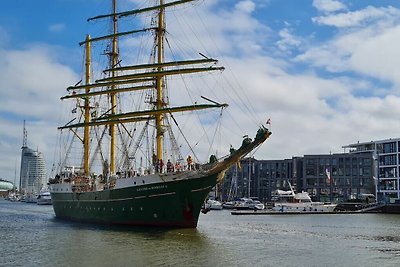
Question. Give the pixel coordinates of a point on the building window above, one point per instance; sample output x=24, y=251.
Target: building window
x=334, y=170
x=310, y=161
x=321, y=170
x=311, y=182
x=387, y=185
x=389, y=147
x=347, y=171
x=367, y=171
x=310, y=171
x=387, y=172
x=387, y=160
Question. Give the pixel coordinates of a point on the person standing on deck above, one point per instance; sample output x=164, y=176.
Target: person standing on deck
x=189, y=162
x=170, y=167
x=161, y=165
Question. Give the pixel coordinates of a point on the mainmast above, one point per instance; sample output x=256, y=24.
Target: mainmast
x=113, y=97
x=160, y=32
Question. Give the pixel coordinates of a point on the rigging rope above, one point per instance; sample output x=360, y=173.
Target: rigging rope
x=174, y=145
x=184, y=137
x=215, y=132
x=248, y=107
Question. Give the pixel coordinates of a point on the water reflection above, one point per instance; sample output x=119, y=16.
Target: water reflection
x=85, y=244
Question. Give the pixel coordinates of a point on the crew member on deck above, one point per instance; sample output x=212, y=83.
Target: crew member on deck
x=189, y=162
x=170, y=167
x=157, y=166
x=161, y=165
x=178, y=167
x=154, y=160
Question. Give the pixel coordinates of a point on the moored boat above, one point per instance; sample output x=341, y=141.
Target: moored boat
x=247, y=204
x=257, y=205
x=30, y=198
x=289, y=201
x=156, y=194
x=229, y=205
x=213, y=204
x=44, y=198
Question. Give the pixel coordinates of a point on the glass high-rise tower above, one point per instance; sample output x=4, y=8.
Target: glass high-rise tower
x=33, y=171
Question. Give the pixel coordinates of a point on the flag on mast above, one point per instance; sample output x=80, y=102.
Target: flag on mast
x=328, y=175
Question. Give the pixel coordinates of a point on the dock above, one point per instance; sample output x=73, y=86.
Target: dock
x=372, y=208
x=270, y=212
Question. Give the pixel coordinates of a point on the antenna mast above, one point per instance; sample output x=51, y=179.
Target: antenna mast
x=25, y=137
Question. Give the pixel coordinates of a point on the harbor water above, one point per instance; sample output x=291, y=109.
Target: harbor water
x=32, y=236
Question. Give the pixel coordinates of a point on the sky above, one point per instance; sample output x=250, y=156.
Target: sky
x=326, y=72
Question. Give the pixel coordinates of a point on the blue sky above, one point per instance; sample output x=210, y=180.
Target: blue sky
x=325, y=71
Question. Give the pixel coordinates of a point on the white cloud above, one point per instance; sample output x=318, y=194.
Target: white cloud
x=31, y=83
x=59, y=27
x=358, y=18
x=377, y=55
x=218, y=30
x=328, y=6
x=288, y=40
x=31, y=76
x=246, y=6
x=367, y=50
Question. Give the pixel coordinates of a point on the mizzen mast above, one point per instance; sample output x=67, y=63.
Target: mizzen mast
x=86, y=131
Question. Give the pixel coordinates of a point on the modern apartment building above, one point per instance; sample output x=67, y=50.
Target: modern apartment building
x=386, y=164
x=337, y=177
x=258, y=178
x=326, y=177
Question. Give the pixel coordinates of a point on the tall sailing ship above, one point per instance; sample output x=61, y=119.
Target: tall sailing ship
x=143, y=179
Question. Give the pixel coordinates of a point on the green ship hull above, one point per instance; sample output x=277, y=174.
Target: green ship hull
x=162, y=200
x=176, y=203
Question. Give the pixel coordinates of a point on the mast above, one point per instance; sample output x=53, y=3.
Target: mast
x=87, y=107
x=113, y=97
x=159, y=81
